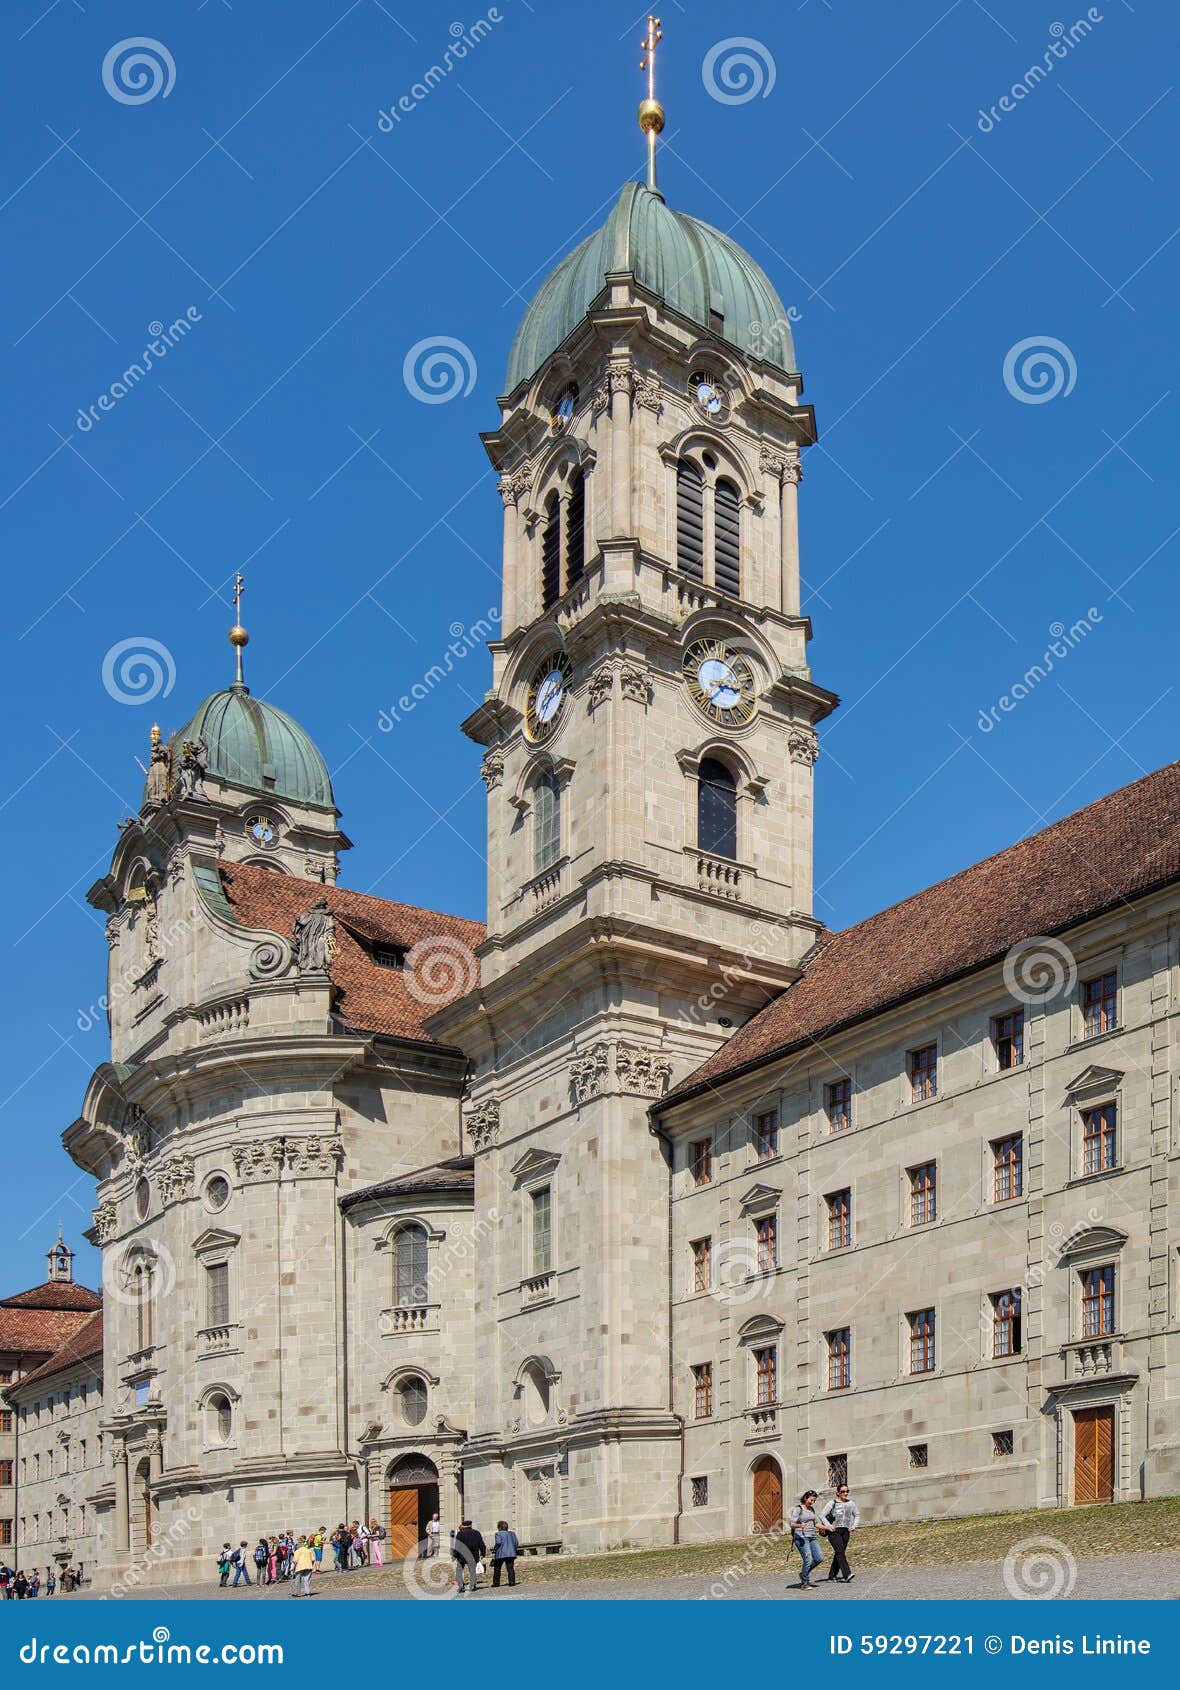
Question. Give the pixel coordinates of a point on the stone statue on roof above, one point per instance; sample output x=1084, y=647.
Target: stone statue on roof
x=315, y=938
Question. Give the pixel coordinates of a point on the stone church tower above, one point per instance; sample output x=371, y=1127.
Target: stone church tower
x=650, y=742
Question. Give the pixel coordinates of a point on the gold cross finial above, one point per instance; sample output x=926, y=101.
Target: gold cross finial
x=238, y=637
x=651, y=112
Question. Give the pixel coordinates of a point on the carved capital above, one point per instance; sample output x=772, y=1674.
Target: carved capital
x=260, y=1159
x=771, y=463
x=600, y=399
x=601, y=685
x=105, y=1222
x=514, y=484
x=793, y=469
x=621, y=378
x=802, y=745
x=314, y=1155
x=483, y=1125
x=492, y=768
x=641, y=1071
x=174, y=1179
x=636, y=684
x=588, y=1073
x=647, y=394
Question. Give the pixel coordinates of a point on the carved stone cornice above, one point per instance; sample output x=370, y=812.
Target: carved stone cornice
x=647, y=394
x=588, y=1073
x=635, y=684
x=105, y=1222
x=513, y=484
x=483, y=1125
x=314, y=1156
x=600, y=686
x=641, y=1071
x=771, y=463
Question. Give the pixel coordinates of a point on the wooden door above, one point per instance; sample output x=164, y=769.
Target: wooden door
x=768, y=1497
x=1093, y=1455
x=403, y=1523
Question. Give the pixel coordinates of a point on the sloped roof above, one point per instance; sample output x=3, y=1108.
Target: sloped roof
x=456, y=1174
x=54, y=1294
x=38, y=1332
x=1109, y=853
x=372, y=998
x=82, y=1345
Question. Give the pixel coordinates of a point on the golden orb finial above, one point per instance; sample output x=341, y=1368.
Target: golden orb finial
x=238, y=637
x=651, y=113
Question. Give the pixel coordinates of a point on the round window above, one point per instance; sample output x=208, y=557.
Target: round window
x=143, y=1198
x=217, y=1189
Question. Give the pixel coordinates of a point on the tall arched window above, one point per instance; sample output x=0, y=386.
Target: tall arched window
x=690, y=520
x=551, y=553
x=411, y=1269
x=575, y=522
x=727, y=558
x=546, y=822
x=413, y=1398
x=716, y=809
x=143, y=1291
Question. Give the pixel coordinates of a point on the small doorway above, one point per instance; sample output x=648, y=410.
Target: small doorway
x=768, y=1495
x=1093, y=1454
x=413, y=1499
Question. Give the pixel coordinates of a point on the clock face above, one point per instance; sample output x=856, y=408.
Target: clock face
x=708, y=394
x=720, y=682
x=263, y=829
x=546, y=696
x=563, y=410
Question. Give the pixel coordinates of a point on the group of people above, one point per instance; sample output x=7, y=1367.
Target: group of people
x=836, y=1521
x=469, y=1553
x=286, y=1557
x=21, y=1587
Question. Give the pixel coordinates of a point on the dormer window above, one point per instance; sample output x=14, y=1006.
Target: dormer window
x=388, y=956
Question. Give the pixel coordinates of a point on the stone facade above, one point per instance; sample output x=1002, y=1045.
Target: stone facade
x=60, y=1467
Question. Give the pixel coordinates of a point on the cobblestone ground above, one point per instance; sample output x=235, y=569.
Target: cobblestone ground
x=1124, y=1578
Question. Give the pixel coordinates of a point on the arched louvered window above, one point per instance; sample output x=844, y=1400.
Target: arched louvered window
x=551, y=553
x=727, y=562
x=546, y=823
x=690, y=520
x=716, y=809
x=575, y=526
x=411, y=1269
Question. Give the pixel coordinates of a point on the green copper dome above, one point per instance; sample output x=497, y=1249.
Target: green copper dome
x=694, y=269
x=252, y=744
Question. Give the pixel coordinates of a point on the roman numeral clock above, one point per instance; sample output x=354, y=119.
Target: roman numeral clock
x=720, y=683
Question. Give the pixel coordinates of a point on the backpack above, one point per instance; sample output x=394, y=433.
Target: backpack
x=235, y=1558
x=261, y=1556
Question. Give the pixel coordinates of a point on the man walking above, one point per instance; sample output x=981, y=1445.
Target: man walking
x=467, y=1551
x=239, y=1564
x=304, y=1564
x=841, y=1516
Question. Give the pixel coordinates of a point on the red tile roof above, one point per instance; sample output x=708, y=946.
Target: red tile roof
x=37, y=1332
x=371, y=998
x=1111, y=852
x=82, y=1345
x=54, y=1294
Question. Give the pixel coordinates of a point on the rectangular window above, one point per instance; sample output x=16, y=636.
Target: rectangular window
x=1100, y=1136
x=922, y=1355
x=1098, y=1302
x=5, y=1420
x=5, y=1472
x=702, y=1390
x=1008, y=1039
x=923, y=1194
x=6, y=1376
x=765, y=1376
x=702, y=1263
x=766, y=1136
x=837, y=1470
x=923, y=1070
x=700, y=1161
x=542, y=1241
x=5, y=1533
x=1007, y=1339
x=700, y=1491
x=1003, y=1443
x=217, y=1294
x=1007, y=1168
x=919, y=1455
x=766, y=1242
x=1100, y=998
x=839, y=1219
x=838, y=1103
x=840, y=1359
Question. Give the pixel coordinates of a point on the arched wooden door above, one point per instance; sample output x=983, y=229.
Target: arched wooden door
x=413, y=1499
x=768, y=1495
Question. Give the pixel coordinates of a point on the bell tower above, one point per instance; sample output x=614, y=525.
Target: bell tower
x=649, y=744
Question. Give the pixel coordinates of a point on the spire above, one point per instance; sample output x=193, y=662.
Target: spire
x=238, y=637
x=651, y=112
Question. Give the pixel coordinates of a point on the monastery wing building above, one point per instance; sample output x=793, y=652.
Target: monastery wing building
x=630, y=1212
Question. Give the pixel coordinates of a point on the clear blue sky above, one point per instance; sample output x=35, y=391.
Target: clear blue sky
x=947, y=525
